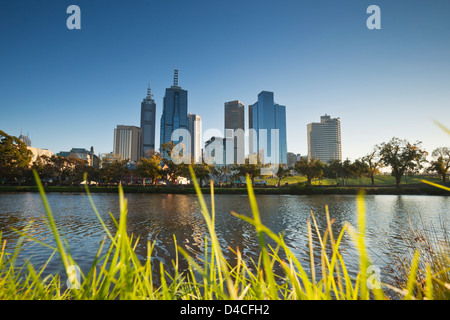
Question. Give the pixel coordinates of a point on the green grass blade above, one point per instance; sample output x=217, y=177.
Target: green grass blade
x=65, y=257
x=412, y=277
x=266, y=259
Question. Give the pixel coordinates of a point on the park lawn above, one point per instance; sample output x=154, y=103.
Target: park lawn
x=298, y=179
x=379, y=180
x=390, y=180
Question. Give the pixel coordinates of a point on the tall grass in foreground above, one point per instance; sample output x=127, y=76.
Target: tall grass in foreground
x=118, y=273
x=435, y=259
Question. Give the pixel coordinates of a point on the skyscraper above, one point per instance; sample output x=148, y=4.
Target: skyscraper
x=324, y=139
x=25, y=139
x=267, y=124
x=214, y=151
x=148, y=124
x=174, y=115
x=234, y=132
x=195, y=130
x=128, y=142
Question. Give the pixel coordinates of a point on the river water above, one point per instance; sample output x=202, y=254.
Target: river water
x=159, y=217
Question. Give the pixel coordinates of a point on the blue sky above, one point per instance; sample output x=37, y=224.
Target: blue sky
x=70, y=88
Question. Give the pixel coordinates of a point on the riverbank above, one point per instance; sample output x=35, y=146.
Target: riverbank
x=412, y=189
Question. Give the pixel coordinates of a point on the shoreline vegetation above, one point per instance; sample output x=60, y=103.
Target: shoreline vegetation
x=296, y=189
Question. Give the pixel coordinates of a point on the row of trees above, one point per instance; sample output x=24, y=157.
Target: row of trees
x=401, y=156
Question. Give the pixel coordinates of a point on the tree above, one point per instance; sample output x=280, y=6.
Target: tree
x=334, y=170
x=282, y=173
x=242, y=170
x=172, y=171
x=150, y=168
x=44, y=168
x=219, y=174
x=373, y=162
x=359, y=169
x=166, y=148
x=93, y=174
x=14, y=157
x=114, y=171
x=202, y=171
x=401, y=156
x=441, y=162
x=311, y=169
x=347, y=171
x=77, y=169
x=110, y=157
x=60, y=167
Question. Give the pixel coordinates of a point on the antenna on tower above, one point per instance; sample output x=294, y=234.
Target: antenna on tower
x=175, y=78
x=149, y=92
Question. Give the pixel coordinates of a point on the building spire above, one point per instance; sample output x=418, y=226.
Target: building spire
x=149, y=92
x=175, y=78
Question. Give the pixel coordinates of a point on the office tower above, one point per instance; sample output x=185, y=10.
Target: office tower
x=214, y=151
x=251, y=134
x=128, y=142
x=234, y=132
x=292, y=158
x=280, y=124
x=89, y=156
x=25, y=139
x=324, y=139
x=267, y=126
x=38, y=152
x=148, y=124
x=174, y=115
x=195, y=130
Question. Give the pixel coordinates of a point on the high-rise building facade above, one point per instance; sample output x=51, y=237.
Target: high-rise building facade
x=87, y=155
x=292, y=158
x=214, y=151
x=324, y=139
x=25, y=139
x=195, y=130
x=174, y=115
x=267, y=126
x=128, y=143
x=148, y=124
x=234, y=132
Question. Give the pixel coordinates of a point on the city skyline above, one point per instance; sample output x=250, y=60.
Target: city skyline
x=67, y=88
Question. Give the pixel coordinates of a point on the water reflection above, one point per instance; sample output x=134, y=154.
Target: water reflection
x=158, y=218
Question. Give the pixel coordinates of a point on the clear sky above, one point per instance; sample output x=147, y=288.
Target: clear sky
x=70, y=88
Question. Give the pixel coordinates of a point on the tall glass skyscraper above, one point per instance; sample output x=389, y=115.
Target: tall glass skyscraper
x=267, y=124
x=148, y=124
x=234, y=121
x=174, y=115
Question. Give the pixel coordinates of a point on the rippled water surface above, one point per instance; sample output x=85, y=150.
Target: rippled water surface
x=157, y=218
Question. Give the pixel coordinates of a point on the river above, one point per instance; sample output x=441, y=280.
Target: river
x=158, y=217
